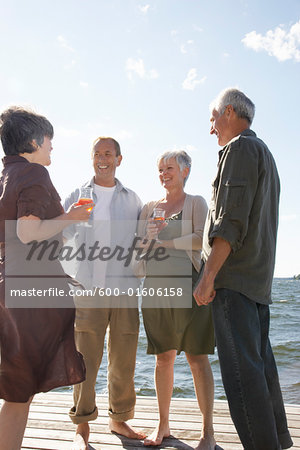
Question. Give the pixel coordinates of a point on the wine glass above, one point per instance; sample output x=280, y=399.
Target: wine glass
x=159, y=215
x=159, y=218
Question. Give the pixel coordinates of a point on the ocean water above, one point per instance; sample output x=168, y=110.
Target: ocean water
x=284, y=336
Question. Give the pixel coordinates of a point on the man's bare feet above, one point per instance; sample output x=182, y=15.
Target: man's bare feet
x=125, y=430
x=157, y=436
x=81, y=437
x=206, y=443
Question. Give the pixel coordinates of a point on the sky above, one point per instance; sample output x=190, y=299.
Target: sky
x=145, y=72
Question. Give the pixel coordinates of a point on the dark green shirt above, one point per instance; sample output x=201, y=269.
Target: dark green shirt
x=244, y=212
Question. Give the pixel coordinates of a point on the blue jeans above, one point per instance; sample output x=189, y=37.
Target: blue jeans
x=249, y=371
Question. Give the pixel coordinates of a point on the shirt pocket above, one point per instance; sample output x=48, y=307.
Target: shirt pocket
x=233, y=191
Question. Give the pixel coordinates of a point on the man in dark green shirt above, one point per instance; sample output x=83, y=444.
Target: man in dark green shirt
x=239, y=246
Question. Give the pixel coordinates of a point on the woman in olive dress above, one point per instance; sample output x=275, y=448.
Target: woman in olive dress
x=172, y=319
x=37, y=349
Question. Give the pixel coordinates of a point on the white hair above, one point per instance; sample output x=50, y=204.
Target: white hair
x=181, y=157
x=241, y=104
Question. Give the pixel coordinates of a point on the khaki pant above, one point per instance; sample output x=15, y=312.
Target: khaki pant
x=90, y=329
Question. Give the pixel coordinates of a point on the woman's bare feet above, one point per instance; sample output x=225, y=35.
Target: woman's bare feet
x=206, y=443
x=125, y=430
x=81, y=437
x=157, y=436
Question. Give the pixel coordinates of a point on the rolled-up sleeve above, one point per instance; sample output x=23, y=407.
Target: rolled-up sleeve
x=34, y=192
x=234, y=191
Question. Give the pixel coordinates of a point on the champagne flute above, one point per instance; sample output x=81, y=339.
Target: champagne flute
x=86, y=197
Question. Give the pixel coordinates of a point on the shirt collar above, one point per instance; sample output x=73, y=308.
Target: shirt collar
x=9, y=159
x=119, y=185
x=246, y=132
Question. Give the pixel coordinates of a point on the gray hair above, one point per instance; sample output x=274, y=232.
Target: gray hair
x=181, y=157
x=19, y=127
x=241, y=104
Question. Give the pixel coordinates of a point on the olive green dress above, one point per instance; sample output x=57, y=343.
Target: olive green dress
x=175, y=321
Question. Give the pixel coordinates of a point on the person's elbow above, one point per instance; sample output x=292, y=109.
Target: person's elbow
x=27, y=229
x=23, y=237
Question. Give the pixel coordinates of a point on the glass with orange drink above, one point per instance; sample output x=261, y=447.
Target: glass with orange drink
x=86, y=197
x=159, y=218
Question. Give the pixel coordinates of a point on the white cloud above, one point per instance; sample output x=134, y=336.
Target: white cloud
x=84, y=84
x=191, y=80
x=183, y=49
x=283, y=44
x=226, y=55
x=144, y=9
x=136, y=66
x=64, y=44
x=183, y=46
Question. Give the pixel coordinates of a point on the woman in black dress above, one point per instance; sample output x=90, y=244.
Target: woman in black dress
x=37, y=349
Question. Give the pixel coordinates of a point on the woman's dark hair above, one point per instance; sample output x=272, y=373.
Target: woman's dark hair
x=18, y=128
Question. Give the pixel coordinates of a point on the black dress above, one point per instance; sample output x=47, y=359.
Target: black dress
x=37, y=346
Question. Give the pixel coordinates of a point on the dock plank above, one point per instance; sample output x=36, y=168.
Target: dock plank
x=49, y=426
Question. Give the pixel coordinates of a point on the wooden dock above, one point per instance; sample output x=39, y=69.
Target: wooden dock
x=49, y=426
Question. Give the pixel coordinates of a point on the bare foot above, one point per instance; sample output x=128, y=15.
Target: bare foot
x=125, y=430
x=81, y=437
x=206, y=443
x=157, y=436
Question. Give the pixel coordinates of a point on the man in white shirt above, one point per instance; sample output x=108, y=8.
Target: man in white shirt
x=112, y=224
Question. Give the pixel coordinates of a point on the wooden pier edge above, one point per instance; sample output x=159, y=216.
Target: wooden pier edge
x=49, y=426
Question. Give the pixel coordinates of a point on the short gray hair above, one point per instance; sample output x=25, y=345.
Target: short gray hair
x=241, y=104
x=19, y=127
x=181, y=157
